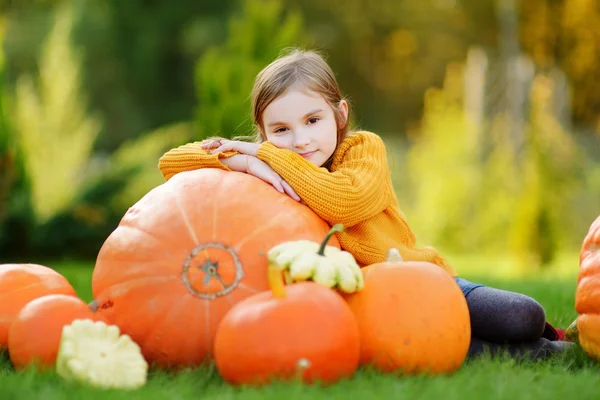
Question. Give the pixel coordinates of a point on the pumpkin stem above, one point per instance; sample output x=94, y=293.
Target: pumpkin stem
x=302, y=365
x=393, y=255
x=334, y=229
x=572, y=333
x=276, y=281
x=93, y=306
x=287, y=277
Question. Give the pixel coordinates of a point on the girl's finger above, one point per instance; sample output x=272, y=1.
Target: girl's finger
x=223, y=148
x=290, y=191
x=278, y=186
x=214, y=143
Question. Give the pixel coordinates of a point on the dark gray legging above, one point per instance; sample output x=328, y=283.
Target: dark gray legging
x=507, y=321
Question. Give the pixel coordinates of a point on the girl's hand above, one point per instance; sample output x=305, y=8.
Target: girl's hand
x=262, y=170
x=222, y=145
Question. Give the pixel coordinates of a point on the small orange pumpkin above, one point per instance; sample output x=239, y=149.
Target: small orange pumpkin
x=587, y=294
x=412, y=317
x=34, y=336
x=188, y=251
x=303, y=331
x=21, y=283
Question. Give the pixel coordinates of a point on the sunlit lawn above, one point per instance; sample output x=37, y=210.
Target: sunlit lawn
x=572, y=375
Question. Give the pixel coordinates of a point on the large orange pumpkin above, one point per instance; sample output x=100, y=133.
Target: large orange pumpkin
x=587, y=294
x=188, y=251
x=303, y=331
x=21, y=283
x=412, y=317
x=34, y=336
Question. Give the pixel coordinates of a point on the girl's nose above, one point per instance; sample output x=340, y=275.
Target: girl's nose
x=301, y=140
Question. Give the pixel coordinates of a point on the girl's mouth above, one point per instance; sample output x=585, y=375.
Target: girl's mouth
x=308, y=154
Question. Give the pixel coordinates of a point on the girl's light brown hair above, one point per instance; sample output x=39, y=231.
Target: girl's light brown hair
x=306, y=67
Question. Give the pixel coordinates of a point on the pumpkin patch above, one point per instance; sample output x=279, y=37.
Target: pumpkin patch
x=188, y=251
x=21, y=283
x=412, y=317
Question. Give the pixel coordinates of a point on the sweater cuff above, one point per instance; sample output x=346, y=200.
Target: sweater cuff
x=266, y=151
x=219, y=156
x=281, y=159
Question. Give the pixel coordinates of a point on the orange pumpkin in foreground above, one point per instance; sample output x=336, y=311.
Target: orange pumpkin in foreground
x=303, y=331
x=189, y=250
x=34, y=336
x=587, y=294
x=21, y=283
x=412, y=317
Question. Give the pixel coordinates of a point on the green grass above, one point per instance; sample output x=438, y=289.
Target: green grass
x=565, y=376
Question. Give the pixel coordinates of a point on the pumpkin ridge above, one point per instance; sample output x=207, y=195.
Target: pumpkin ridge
x=589, y=343
x=186, y=221
x=215, y=213
x=165, y=243
x=118, y=289
x=27, y=287
x=248, y=288
x=208, y=339
x=273, y=222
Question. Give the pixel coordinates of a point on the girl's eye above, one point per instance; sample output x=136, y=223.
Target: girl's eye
x=279, y=130
x=313, y=120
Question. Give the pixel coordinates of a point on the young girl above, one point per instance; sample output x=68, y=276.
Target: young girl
x=303, y=148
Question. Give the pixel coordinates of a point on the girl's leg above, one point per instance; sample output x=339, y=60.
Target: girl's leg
x=507, y=321
x=536, y=350
x=501, y=316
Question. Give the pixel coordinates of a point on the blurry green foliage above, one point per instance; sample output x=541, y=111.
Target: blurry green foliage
x=52, y=124
x=77, y=197
x=225, y=73
x=15, y=204
x=474, y=192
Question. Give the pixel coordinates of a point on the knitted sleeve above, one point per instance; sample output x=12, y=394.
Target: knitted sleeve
x=356, y=188
x=189, y=157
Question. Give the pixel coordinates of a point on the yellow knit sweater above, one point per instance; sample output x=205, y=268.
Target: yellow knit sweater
x=357, y=192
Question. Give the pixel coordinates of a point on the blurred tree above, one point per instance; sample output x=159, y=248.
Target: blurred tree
x=478, y=192
x=225, y=74
x=16, y=216
x=140, y=58
x=52, y=124
x=388, y=53
x=565, y=34
x=547, y=182
x=77, y=197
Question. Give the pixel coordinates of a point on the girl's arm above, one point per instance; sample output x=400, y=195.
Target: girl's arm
x=192, y=156
x=358, y=188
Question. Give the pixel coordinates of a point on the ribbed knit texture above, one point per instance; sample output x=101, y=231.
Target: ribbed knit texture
x=189, y=157
x=357, y=192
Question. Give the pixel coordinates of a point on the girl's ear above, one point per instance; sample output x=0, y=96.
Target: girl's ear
x=343, y=108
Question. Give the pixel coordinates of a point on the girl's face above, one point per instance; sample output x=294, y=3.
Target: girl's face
x=302, y=121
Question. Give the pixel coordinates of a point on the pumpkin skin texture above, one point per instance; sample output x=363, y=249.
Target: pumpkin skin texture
x=34, y=336
x=413, y=318
x=21, y=283
x=587, y=294
x=304, y=331
x=189, y=250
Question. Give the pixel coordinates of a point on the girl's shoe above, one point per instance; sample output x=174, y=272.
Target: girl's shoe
x=554, y=334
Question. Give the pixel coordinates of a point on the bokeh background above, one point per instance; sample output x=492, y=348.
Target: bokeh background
x=490, y=110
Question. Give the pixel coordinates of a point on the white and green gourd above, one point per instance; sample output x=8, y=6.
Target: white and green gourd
x=98, y=354
x=327, y=265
